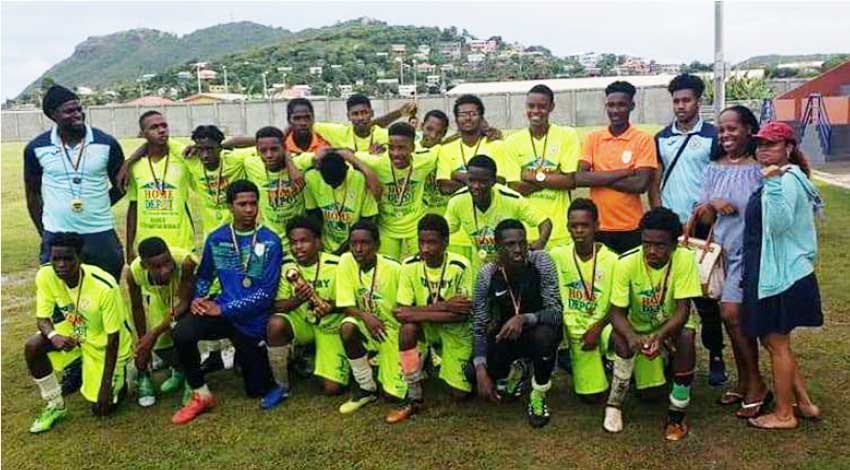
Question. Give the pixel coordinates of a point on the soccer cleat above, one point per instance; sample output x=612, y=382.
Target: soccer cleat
x=517, y=379
x=613, y=419
x=145, y=395
x=49, y=416
x=405, y=412
x=359, y=399
x=676, y=431
x=173, y=383
x=197, y=405
x=538, y=411
x=717, y=372
x=212, y=363
x=72, y=377
x=274, y=397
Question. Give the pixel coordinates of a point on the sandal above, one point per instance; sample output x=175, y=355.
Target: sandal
x=755, y=409
x=759, y=423
x=730, y=398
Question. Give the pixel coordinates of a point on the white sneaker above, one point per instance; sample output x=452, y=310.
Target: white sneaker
x=613, y=419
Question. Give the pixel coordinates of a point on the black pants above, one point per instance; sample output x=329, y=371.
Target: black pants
x=619, y=241
x=538, y=343
x=251, y=353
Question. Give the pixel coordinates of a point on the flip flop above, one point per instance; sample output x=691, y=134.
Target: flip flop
x=758, y=406
x=754, y=423
x=730, y=398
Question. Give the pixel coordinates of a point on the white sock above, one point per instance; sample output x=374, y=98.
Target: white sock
x=279, y=359
x=203, y=391
x=50, y=389
x=623, y=369
x=541, y=389
x=363, y=373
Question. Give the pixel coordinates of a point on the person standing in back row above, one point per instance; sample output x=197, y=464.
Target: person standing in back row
x=618, y=165
x=685, y=149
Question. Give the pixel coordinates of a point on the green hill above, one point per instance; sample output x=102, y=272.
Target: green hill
x=123, y=57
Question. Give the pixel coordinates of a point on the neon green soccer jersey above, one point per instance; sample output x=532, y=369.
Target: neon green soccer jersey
x=211, y=187
x=341, y=207
x=585, y=287
x=343, y=136
x=281, y=199
x=639, y=288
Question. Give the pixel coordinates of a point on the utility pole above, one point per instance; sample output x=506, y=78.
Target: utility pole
x=265, y=86
x=414, y=79
x=198, y=72
x=225, y=79
x=719, y=64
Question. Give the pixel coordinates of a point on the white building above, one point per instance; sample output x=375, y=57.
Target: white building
x=475, y=58
x=317, y=70
x=407, y=90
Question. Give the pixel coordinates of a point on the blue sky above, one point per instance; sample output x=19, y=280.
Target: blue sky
x=36, y=35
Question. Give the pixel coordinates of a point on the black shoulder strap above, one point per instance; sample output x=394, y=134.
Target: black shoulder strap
x=675, y=160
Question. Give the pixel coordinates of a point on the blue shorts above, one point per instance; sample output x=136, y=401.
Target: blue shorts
x=102, y=249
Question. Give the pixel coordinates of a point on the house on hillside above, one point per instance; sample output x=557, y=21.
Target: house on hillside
x=151, y=101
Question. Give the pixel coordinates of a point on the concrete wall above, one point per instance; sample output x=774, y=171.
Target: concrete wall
x=574, y=108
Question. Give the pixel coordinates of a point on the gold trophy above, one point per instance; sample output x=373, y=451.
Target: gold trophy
x=295, y=278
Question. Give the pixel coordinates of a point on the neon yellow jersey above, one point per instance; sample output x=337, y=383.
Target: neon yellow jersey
x=636, y=286
x=163, y=212
x=354, y=287
x=578, y=278
x=341, y=207
x=322, y=277
x=480, y=226
x=280, y=198
x=435, y=201
x=455, y=155
x=401, y=204
x=343, y=136
x=101, y=310
x=558, y=151
x=418, y=283
x=211, y=187
x=167, y=294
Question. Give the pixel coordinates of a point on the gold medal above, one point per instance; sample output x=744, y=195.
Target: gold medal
x=77, y=205
x=482, y=253
x=246, y=282
x=540, y=176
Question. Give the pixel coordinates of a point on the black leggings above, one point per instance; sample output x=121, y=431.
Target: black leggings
x=538, y=343
x=251, y=353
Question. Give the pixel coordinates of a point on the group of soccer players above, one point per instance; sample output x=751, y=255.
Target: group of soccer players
x=385, y=254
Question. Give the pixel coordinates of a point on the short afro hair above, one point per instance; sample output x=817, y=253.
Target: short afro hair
x=241, y=186
x=544, y=90
x=369, y=226
x=434, y=223
x=687, y=81
x=357, y=99
x=292, y=104
x=662, y=218
x=152, y=246
x=507, y=224
x=71, y=240
x=304, y=222
x=146, y=115
x=269, y=131
x=584, y=204
x=621, y=86
x=469, y=99
x=402, y=129
x=483, y=161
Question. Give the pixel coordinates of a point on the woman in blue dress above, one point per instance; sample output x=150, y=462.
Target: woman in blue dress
x=728, y=183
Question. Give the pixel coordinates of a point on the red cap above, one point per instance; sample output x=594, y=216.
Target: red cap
x=775, y=131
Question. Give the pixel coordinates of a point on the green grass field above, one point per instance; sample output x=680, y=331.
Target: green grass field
x=307, y=432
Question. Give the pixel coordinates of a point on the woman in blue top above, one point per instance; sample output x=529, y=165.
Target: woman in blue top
x=780, y=288
x=726, y=189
